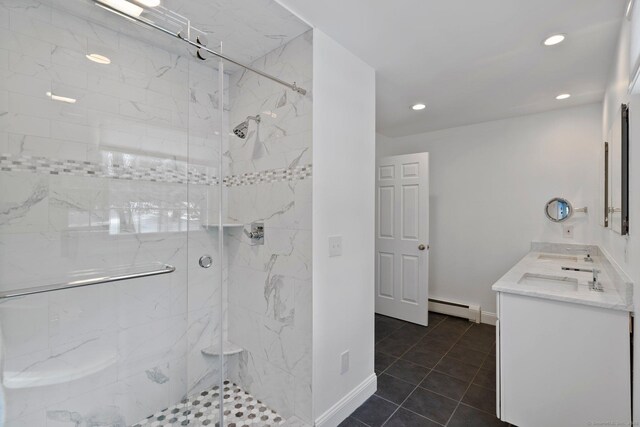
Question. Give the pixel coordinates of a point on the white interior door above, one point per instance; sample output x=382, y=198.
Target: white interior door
x=402, y=237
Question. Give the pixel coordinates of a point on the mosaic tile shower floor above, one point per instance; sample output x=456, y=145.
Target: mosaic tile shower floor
x=240, y=409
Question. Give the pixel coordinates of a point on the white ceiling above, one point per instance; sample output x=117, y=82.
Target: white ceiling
x=471, y=61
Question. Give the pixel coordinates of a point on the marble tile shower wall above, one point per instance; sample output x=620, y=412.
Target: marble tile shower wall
x=96, y=184
x=269, y=303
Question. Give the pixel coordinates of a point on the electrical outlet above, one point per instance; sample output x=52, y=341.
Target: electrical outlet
x=567, y=231
x=344, y=362
x=335, y=245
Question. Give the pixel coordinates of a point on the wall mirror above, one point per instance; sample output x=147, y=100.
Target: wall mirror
x=618, y=156
x=558, y=209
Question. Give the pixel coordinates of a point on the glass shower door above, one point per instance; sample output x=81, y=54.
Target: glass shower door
x=142, y=169
x=109, y=146
x=205, y=315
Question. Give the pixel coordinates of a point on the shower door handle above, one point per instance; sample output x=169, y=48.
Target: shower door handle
x=205, y=261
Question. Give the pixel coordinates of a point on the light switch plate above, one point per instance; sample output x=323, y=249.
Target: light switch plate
x=567, y=231
x=335, y=245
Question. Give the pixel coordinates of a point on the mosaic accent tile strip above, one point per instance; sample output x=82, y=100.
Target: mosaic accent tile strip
x=273, y=175
x=240, y=409
x=144, y=169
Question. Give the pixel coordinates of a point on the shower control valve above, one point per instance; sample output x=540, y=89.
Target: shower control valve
x=257, y=233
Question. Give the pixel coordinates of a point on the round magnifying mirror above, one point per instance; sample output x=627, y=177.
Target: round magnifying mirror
x=558, y=209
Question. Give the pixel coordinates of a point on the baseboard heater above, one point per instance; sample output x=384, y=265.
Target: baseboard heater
x=466, y=311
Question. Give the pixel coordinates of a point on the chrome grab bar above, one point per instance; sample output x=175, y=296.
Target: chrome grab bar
x=86, y=282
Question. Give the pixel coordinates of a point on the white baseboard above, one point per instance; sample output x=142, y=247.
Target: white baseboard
x=488, y=318
x=349, y=403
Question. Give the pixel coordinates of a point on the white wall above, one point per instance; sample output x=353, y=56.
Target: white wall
x=489, y=185
x=626, y=250
x=343, y=204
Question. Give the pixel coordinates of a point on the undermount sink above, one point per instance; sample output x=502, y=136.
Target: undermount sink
x=548, y=281
x=558, y=257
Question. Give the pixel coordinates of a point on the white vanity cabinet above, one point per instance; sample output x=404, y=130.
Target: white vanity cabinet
x=562, y=364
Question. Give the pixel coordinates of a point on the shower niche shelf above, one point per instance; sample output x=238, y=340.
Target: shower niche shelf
x=226, y=225
x=229, y=349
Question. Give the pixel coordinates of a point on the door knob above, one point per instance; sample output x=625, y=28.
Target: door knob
x=422, y=247
x=205, y=261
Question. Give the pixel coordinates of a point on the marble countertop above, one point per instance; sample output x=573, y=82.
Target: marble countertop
x=547, y=260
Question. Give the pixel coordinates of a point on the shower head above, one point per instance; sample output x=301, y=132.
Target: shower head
x=241, y=130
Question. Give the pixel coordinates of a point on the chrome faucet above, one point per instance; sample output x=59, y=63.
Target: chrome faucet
x=585, y=251
x=595, y=284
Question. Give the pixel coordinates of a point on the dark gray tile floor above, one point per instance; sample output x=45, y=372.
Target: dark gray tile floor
x=440, y=375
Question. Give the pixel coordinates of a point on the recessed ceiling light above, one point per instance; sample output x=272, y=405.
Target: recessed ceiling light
x=100, y=59
x=563, y=96
x=418, y=107
x=61, y=98
x=149, y=3
x=554, y=39
x=123, y=6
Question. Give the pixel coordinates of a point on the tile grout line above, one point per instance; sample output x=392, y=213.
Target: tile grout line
x=440, y=360
x=415, y=344
x=406, y=409
x=398, y=407
x=420, y=415
x=415, y=388
x=384, y=370
x=466, y=391
x=477, y=385
x=418, y=386
x=487, y=355
x=458, y=400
